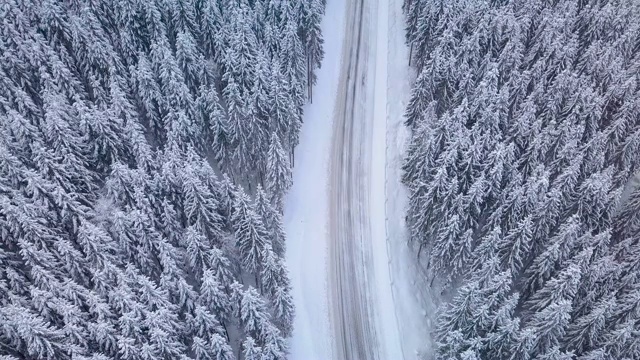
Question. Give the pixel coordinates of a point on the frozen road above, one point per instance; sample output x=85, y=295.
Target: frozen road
x=352, y=285
x=345, y=235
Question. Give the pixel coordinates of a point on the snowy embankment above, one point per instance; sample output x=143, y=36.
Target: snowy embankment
x=388, y=322
x=306, y=203
x=414, y=304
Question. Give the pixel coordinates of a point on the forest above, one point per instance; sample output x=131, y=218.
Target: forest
x=147, y=146
x=523, y=173
x=145, y=149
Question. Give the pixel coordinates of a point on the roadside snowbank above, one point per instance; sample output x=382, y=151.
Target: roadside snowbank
x=306, y=203
x=414, y=303
x=388, y=323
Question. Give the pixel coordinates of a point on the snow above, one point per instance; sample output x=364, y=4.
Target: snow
x=306, y=205
x=402, y=301
x=388, y=324
x=407, y=310
x=414, y=304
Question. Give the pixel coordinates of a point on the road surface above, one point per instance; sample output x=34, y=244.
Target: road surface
x=344, y=214
x=351, y=285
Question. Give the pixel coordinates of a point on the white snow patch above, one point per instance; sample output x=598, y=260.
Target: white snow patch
x=388, y=326
x=306, y=206
x=414, y=303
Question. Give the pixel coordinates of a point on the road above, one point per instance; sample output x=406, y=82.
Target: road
x=351, y=283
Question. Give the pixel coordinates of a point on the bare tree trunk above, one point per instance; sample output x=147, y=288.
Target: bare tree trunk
x=226, y=333
x=311, y=77
x=410, y=53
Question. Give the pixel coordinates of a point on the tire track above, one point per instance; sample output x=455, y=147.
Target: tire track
x=352, y=315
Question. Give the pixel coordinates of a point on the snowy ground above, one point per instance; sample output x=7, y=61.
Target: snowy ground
x=306, y=207
x=415, y=304
x=352, y=273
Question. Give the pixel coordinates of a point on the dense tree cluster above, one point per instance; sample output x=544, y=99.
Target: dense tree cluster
x=523, y=175
x=145, y=147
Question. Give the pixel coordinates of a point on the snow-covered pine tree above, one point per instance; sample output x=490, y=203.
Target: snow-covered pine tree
x=278, y=177
x=250, y=235
x=272, y=220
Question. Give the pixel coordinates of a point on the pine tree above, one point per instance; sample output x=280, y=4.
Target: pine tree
x=250, y=350
x=220, y=349
x=250, y=234
x=278, y=172
x=253, y=314
x=272, y=221
x=197, y=247
x=550, y=324
x=313, y=39
x=214, y=297
x=586, y=331
x=283, y=309
x=30, y=335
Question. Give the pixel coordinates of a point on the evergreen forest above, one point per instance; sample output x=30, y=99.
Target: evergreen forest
x=523, y=173
x=145, y=150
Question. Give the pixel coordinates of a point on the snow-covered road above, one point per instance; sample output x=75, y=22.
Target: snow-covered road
x=350, y=267
x=352, y=311
x=362, y=310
